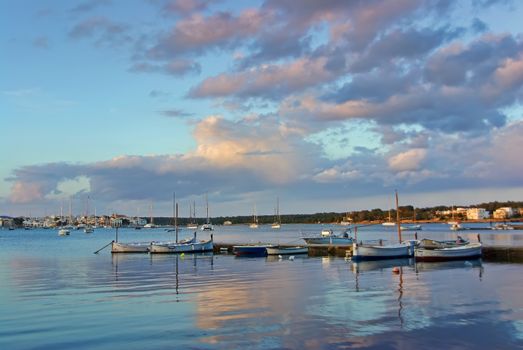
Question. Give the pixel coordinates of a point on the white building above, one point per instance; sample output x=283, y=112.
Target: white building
x=477, y=214
x=503, y=213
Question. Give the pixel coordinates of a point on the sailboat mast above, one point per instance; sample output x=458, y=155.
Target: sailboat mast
x=174, y=214
x=398, y=217
x=207, y=205
x=176, y=222
x=278, y=209
x=70, y=211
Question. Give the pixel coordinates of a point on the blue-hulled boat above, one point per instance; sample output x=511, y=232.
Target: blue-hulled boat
x=251, y=250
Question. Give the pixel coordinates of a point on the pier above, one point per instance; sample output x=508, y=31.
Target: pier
x=490, y=254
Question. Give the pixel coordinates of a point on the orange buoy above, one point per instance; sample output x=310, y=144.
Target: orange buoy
x=396, y=270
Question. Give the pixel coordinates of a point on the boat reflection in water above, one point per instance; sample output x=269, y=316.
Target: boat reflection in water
x=371, y=265
x=422, y=266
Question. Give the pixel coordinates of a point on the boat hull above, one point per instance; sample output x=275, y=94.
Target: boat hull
x=469, y=251
x=286, y=250
x=174, y=248
x=250, y=250
x=379, y=252
x=328, y=240
x=141, y=247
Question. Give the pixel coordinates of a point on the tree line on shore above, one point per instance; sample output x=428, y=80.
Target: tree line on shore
x=407, y=213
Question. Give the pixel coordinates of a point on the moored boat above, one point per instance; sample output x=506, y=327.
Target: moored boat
x=207, y=226
x=130, y=247
x=327, y=236
x=63, y=232
x=251, y=250
x=433, y=244
x=191, y=246
x=411, y=228
x=362, y=252
x=467, y=251
x=283, y=250
x=502, y=227
x=366, y=251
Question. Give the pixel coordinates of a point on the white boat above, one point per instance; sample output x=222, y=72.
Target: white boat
x=63, y=232
x=132, y=247
x=378, y=252
x=283, y=250
x=411, y=228
x=467, y=251
x=191, y=246
x=500, y=226
x=390, y=222
x=369, y=251
x=254, y=223
x=277, y=219
x=207, y=226
x=192, y=216
x=88, y=229
x=327, y=236
x=433, y=244
x=455, y=226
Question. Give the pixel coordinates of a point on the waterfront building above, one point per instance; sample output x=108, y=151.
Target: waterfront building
x=477, y=214
x=503, y=213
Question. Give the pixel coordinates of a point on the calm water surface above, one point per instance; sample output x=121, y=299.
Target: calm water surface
x=56, y=294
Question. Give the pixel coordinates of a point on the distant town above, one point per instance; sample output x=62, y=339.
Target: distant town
x=492, y=211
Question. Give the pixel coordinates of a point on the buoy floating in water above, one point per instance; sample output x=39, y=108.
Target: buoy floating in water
x=395, y=269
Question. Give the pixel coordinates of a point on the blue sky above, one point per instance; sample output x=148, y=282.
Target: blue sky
x=328, y=105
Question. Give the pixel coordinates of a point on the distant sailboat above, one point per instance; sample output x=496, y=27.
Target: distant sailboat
x=389, y=222
x=192, y=216
x=207, y=226
x=88, y=228
x=277, y=219
x=254, y=223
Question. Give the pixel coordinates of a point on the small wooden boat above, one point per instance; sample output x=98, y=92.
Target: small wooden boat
x=361, y=252
x=282, y=250
x=411, y=228
x=456, y=226
x=63, y=232
x=500, y=226
x=191, y=246
x=433, y=244
x=131, y=247
x=251, y=250
x=467, y=251
x=327, y=236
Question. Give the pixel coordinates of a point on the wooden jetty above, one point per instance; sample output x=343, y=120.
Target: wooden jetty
x=490, y=254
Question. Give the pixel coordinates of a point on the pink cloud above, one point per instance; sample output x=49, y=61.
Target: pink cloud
x=266, y=80
x=408, y=161
x=25, y=192
x=199, y=33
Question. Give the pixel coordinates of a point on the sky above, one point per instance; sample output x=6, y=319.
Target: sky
x=327, y=105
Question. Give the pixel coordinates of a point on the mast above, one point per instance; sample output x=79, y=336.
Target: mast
x=70, y=210
x=152, y=222
x=207, y=205
x=176, y=222
x=278, y=209
x=174, y=212
x=398, y=217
